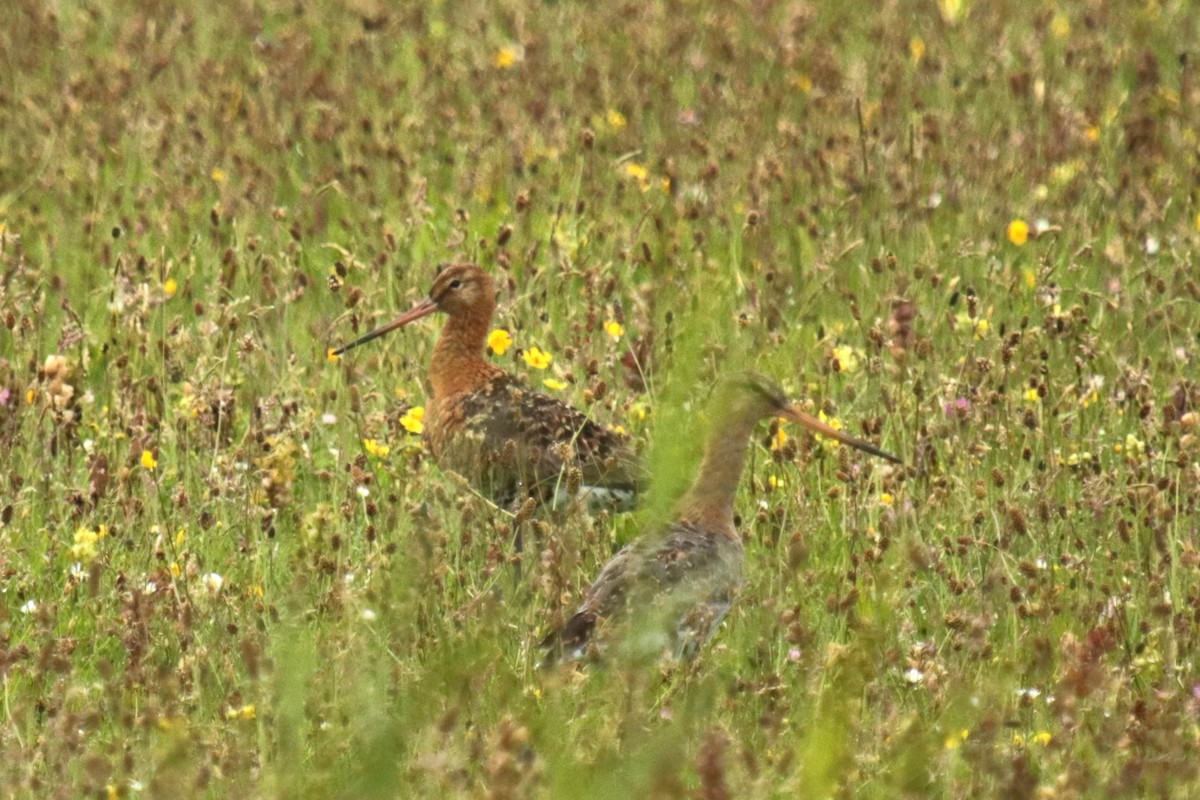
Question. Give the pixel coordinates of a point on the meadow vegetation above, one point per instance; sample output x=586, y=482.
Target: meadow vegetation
x=966, y=229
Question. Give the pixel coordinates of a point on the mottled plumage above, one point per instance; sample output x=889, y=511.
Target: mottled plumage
x=667, y=592
x=683, y=581
x=512, y=442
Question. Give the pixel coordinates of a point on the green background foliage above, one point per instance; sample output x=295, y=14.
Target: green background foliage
x=195, y=203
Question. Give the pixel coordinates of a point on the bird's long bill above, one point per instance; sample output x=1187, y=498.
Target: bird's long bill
x=813, y=424
x=421, y=309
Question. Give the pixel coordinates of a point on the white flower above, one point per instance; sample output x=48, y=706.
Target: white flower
x=212, y=582
x=914, y=675
x=368, y=615
x=151, y=587
x=29, y=607
x=328, y=418
x=1151, y=246
x=363, y=492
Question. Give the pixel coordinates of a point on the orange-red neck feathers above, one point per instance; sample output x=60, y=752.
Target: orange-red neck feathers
x=468, y=297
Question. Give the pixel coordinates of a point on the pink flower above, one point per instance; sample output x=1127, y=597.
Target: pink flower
x=958, y=408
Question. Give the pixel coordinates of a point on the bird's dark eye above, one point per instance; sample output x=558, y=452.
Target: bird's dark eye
x=456, y=284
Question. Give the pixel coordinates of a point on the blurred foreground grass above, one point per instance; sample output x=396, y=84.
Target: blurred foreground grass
x=226, y=569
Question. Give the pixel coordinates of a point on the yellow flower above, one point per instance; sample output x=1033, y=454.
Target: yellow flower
x=331, y=356
x=414, y=419
x=175, y=571
x=887, y=499
x=1075, y=459
x=1060, y=26
x=956, y=739
x=1064, y=173
x=916, y=49
x=803, y=82
x=1042, y=737
x=170, y=287
x=555, y=384
x=616, y=120
x=148, y=460
x=779, y=439
x=1030, y=277
x=950, y=9
x=639, y=173
x=846, y=358
x=507, y=57
x=537, y=358
x=979, y=327
x=374, y=448
x=498, y=341
x=1018, y=232
x=639, y=411
x=218, y=175
x=665, y=185
x=84, y=548
x=614, y=329
x=1032, y=397
x=833, y=422
x=246, y=712
x=1092, y=134
x=1134, y=447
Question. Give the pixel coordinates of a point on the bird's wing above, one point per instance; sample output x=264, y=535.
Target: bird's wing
x=538, y=437
x=685, y=563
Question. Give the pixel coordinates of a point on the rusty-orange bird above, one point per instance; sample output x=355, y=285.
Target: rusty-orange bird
x=667, y=592
x=510, y=441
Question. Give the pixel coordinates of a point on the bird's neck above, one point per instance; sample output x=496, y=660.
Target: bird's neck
x=709, y=501
x=458, y=364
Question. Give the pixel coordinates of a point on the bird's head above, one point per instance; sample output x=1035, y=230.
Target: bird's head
x=458, y=290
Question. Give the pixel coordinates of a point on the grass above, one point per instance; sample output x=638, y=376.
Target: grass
x=195, y=204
